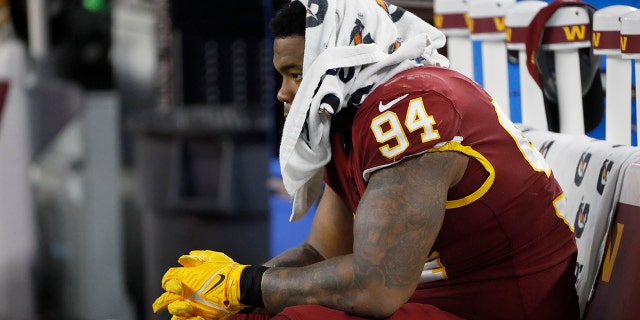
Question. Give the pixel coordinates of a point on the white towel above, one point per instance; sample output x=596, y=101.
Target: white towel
x=351, y=46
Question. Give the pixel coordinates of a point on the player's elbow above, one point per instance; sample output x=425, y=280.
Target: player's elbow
x=380, y=303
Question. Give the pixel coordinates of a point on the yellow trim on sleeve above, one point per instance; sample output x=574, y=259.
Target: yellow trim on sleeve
x=456, y=146
x=560, y=205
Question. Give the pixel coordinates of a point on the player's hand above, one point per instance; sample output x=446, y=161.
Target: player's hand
x=205, y=287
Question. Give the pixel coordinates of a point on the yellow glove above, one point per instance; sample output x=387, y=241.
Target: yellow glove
x=206, y=286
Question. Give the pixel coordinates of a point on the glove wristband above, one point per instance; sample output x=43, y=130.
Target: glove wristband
x=251, y=286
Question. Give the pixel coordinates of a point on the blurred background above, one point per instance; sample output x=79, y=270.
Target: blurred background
x=133, y=131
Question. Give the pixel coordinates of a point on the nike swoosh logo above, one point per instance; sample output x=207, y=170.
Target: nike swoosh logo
x=217, y=283
x=384, y=107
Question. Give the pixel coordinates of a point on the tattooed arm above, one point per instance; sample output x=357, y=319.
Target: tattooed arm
x=397, y=222
x=331, y=235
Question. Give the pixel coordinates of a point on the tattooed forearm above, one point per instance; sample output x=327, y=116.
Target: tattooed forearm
x=330, y=283
x=394, y=232
x=347, y=283
x=406, y=221
x=300, y=256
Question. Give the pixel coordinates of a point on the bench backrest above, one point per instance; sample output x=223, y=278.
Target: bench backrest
x=591, y=173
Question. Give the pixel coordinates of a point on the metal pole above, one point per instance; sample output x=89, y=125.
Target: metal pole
x=37, y=29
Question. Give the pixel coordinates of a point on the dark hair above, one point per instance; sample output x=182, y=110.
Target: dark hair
x=290, y=20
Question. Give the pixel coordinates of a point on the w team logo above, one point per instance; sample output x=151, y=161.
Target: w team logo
x=581, y=168
x=607, y=165
x=544, y=149
x=579, y=268
x=356, y=34
x=316, y=18
x=582, y=216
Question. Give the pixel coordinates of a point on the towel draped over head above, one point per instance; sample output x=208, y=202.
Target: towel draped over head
x=351, y=46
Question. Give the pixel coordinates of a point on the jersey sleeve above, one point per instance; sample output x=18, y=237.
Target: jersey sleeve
x=401, y=125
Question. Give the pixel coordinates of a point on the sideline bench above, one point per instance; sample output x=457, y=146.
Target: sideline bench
x=601, y=182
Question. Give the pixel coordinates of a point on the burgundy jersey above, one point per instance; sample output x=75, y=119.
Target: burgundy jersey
x=503, y=220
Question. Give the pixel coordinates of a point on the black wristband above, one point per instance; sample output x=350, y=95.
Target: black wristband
x=251, y=286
